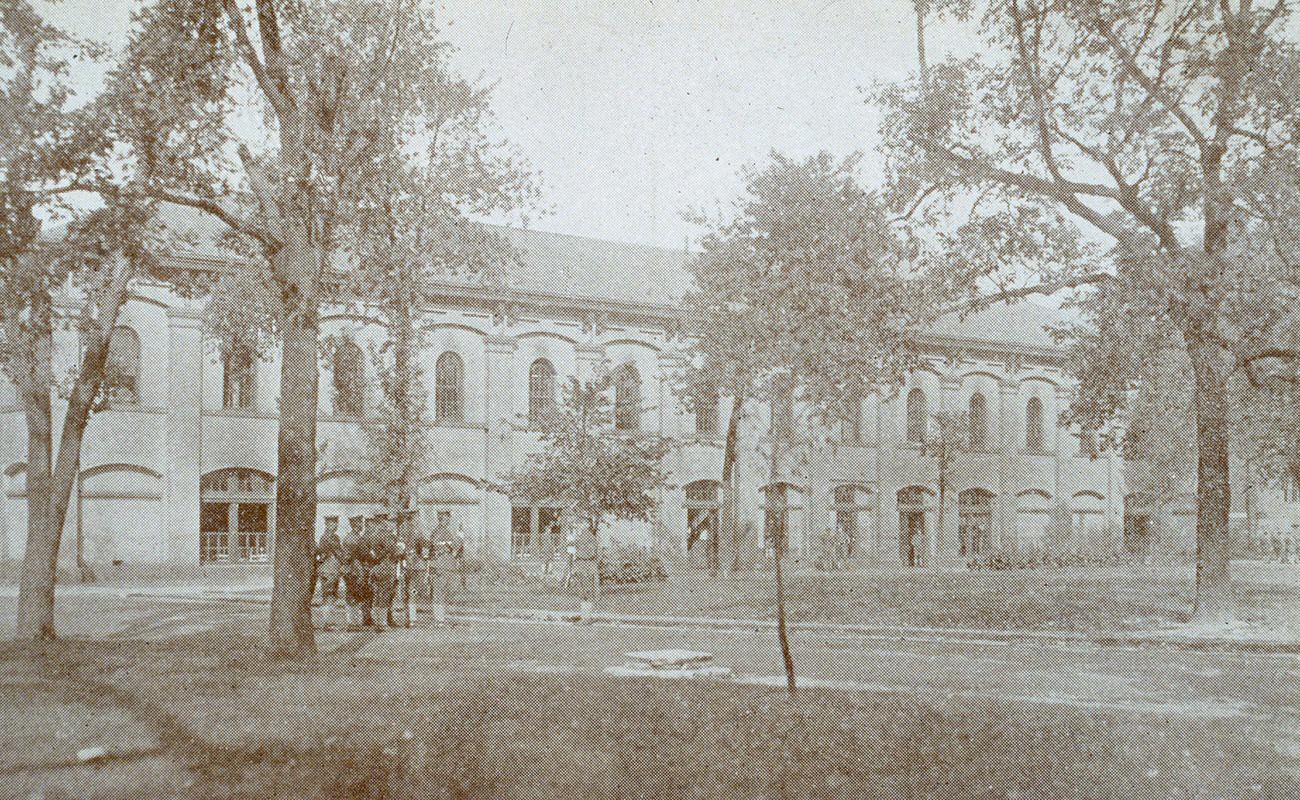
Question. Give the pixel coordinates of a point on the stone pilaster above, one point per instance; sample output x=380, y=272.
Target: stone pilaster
x=184, y=434
x=498, y=450
x=1009, y=440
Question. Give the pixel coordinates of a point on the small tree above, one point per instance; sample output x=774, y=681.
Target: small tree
x=597, y=473
x=947, y=435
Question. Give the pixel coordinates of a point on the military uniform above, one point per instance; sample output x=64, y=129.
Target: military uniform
x=415, y=577
x=356, y=579
x=442, y=568
x=383, y=579
x=329, y=564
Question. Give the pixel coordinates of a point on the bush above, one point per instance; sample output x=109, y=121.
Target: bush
x=625, y=564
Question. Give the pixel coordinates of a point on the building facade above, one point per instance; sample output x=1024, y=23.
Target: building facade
x=180, y=467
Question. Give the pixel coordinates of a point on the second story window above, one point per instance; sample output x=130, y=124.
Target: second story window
x=627, y=398
x=449, y=388
x=706, y=411
x=237, y=377
x=349, y=377
x=979, y=422
x=1034, y=425
x=918, y=413
x=122, y=368
x=541, y=393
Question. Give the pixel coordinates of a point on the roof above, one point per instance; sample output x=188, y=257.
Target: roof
x=598, y=269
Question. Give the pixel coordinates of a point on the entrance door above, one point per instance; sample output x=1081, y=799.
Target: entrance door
x=911, y=529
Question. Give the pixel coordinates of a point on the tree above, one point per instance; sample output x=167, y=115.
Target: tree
x=806, y=276
x=46, y=143
x=413, y=229
x=946, y=436
x=342, y=90
x=807, y=285
x=1163, y=131
x=588, y=467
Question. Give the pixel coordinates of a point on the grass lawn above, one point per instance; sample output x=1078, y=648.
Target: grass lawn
x=1130, y=598
x=213, y=718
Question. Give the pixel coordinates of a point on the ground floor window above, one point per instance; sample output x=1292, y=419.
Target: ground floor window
x=536, y=531
x=975, y=522
x=852, y=507
x=701, y=512
x=1137, y=523
x=913, y=503
x=235, y=516
x=781, y=503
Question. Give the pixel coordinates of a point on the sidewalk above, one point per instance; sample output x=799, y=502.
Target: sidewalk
x=1239, y=638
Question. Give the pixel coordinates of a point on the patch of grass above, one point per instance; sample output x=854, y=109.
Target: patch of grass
x=236, y=724
x=1082, y=599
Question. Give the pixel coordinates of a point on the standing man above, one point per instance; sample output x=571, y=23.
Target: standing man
x=329, y=564
x=355, y=578
x=587, y=572
x=415, y=574
x=442, y=566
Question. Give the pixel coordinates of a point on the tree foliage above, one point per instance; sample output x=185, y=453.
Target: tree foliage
x=586, y=466
x=1134, y=147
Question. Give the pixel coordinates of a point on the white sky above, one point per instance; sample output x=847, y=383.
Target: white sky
x=637, y=110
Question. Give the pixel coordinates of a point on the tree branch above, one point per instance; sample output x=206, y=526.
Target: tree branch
x=1132, y=68
x=208, y=205
x=1043, y=289
x=272, y=89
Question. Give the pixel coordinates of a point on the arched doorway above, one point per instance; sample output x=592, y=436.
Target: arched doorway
x=701, y=499
x=235, y=516
x=782, y=516
x=975, y=522
x=913, y=533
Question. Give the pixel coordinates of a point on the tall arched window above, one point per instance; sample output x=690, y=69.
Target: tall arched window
x=979, y=422
x=541, y=393
x=349, y=378
x=1034, y=425
x=917, y=413
x=627, y=398
x=449, y=388
x=122, y=369
x=237, y=377
x=706, y=411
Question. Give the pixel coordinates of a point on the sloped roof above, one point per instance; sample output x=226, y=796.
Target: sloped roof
x=599, y=269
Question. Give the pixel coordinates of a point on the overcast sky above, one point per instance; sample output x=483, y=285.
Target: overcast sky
x=636, y=110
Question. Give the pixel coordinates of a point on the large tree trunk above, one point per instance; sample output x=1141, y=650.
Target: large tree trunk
x=1213, y=583
x=40, y=560
x=730, y=523
x=291, y=632
x=90, y=381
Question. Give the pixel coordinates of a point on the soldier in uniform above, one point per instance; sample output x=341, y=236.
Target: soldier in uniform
x=383, y=573
x=356, y=579
x=442, y=567
x=329, y=566
x=415, y=576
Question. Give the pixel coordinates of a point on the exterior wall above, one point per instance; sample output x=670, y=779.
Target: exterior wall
x=140, y=497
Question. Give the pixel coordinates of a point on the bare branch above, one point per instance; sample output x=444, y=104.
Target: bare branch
x=272, y=91
x=1131, y=67
x=1042, y=289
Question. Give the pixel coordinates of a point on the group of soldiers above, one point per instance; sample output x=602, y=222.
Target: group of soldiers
x=382, y=580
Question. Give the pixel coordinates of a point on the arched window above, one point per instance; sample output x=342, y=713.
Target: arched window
x=706, y=411
x=349, y=379
x=627, y=398
x=979, y=422
x=449, y=388
x=237, y=377
x=541, y=393
x=1034, y=425
x=917, y=413
x=122, y=368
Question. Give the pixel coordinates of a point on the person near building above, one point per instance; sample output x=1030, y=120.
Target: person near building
x=415, y=576
x=356, y=578
x=586, y=570
x=383, y=575
x=329, y=566
x=442, y=566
